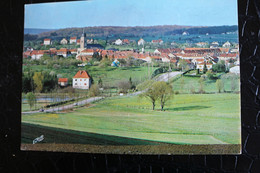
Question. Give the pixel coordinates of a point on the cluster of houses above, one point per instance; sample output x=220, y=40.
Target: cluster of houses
x=64, y=41
x=194, y=57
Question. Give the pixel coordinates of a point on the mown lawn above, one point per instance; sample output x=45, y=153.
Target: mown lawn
x=187, y=119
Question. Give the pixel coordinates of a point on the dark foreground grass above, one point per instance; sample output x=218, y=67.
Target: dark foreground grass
x=63, y=136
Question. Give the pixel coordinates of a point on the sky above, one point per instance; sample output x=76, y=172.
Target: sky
x=131, y=13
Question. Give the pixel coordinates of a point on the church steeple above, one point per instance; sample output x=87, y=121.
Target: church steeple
x=83, y=41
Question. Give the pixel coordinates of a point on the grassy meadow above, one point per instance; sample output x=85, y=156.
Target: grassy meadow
x=187, y=119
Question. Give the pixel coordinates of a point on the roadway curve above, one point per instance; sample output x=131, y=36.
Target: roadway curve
x=70, y=106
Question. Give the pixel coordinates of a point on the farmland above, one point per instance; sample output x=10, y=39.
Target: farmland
x=187, y=119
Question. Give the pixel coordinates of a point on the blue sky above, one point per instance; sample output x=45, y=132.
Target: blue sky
x=131, y=13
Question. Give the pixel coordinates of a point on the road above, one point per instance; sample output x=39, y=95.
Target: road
x=167, y=76
x=164, y=77
x=70, y=106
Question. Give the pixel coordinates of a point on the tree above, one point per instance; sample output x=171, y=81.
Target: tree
x=219, y=67
x=31, y=99
x=159, y=91
x=38, y=81
x=151, y=94
x=124, y=86
x=205, y=69
x=183, y=64
x=100, y=83
x=165, y=92
x=94, y=90
x=219, y=85
x=201, y=85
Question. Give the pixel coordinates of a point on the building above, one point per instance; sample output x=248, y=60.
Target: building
x=73, y=40
x=47, y=41
x=118, y=42
x=201, y=44
x=214, y=44
x=140, y=42
x=157, y=41
x=81, y=80
x=64, y=41
x=227, y=44
x=63, y=52
x=63, y=82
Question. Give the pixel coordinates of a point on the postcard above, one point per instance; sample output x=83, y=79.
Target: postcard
x=131, y=77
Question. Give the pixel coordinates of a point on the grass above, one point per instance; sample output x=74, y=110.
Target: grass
x=186, y=83
x=187, y=119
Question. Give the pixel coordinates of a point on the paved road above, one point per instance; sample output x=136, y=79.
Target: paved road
x=61, y=108
x=167, y=76
x=164, y=77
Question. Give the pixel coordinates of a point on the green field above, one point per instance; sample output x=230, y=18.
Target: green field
x=187, y=119
x=109, y=75
x=186, y=83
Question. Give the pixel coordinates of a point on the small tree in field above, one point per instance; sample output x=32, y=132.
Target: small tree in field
x=31, y=99
x=94, y=90
x=165, y=92
x=151, y=94
x=38, y=81
x=219, y=85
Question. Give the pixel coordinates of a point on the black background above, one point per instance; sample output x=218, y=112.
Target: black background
x=14, y=160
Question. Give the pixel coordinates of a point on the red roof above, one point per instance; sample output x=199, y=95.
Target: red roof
x=47, y=39
x=63, y=79
x=73, y=38
x=82, y=74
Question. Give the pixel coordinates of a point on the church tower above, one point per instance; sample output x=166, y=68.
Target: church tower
x=83, y=41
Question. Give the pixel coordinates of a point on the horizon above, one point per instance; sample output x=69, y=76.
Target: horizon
x=127, y=26
x=130, y=13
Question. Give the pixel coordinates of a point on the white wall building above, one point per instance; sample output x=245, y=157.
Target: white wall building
x=81, y=80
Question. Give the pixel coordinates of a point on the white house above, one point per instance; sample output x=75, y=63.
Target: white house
x=227, y=44
x=81, y=80
x=141, y=42
x=73, y=40
x=37, y=54
x=47, y=41
x=214, y=44
x=185, y=33
x=63, y=52
x=64, y=41
x=118, y=42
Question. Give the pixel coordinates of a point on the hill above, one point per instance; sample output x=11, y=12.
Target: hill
x=36, y=31
x=137, y=31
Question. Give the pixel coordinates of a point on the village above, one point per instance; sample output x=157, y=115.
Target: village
x=204, y=55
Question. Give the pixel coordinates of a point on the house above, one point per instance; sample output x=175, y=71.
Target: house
x=214, y=44
x=201, y=44
x=185, y=33
x=157, y=41
x=227, y=44
x=63, y=82
x=63, y=52
x=37, y=54
x=126, y=41
x=78, y=41
x=81, y=80
x=73, y=40
x=118, y=42
x=47, y=41
x=64, y=41
x=140, y=42
x=200, y=66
